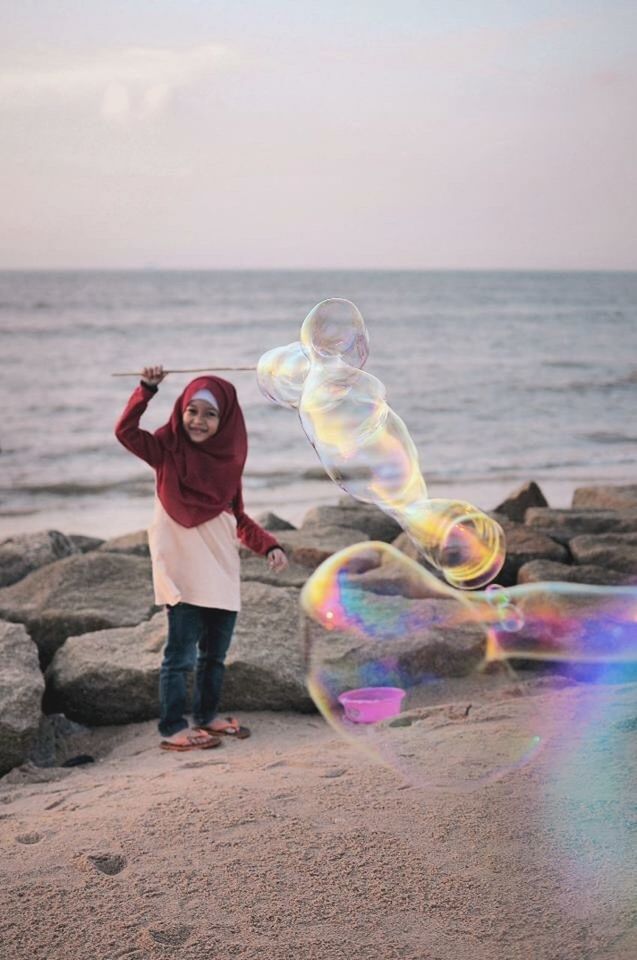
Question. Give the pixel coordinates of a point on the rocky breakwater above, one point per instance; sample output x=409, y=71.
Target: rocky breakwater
x=79, y=631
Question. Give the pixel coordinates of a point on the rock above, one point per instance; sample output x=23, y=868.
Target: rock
x=58, y=740
x=617, y=551
x=85, y=544
x=395, y=579
x=135, y=544
x=109, y=676
x=563, y=525
x=265, y=667
x=22, y=554
x=273, y=523
x=516, y=504
x=524, y=544
x=256, y=568
x=81, y=593
x=546, y=571
x=21, y=689
x=352, y=513
x=430, y=648
x=606, y=497
x=309, y=548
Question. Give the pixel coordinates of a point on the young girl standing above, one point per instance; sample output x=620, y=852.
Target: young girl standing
x=198, y=458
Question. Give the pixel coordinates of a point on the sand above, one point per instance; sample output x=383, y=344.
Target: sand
x=292, y=845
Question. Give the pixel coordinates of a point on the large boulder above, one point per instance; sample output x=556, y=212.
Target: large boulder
x=135, y=544
x=272, y=522
x=21, y=689
x=256, y=568
x=365, y=517
x=265, y=667
x=109, y=676
x=563, y=525
x=616, y=551
x=25, y=552
x=606, y=497
x=81, y=593
x=516, y=504
x=545, y=571
x=310, y=547
x=524, y=544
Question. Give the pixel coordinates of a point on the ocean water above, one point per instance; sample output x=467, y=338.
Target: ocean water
x=500, y=377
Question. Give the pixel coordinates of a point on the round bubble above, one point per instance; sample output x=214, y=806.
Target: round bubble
x=439, y=684
x=281, y=373
x=335, y=328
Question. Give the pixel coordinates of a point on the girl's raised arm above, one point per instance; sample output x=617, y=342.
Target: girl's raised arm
x=127, y=430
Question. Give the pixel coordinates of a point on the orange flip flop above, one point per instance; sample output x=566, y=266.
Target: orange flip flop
x=195, y=741
x=231, y=728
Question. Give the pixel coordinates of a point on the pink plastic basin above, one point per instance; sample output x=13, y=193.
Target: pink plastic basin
x=371, y=704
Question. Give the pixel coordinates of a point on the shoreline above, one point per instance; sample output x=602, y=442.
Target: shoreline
x=112, y=517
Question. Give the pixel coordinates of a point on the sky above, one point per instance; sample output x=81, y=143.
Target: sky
x=196, y=134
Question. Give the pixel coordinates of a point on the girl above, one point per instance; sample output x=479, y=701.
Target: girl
x=198, y=457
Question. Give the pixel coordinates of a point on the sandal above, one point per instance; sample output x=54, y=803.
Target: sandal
x=230, y=728
x=193, y=741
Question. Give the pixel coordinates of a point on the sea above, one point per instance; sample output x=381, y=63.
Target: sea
x=500, y=377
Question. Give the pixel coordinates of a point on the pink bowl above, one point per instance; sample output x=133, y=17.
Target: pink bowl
x=371, y=704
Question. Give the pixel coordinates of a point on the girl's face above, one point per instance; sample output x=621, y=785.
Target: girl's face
x=200, y=420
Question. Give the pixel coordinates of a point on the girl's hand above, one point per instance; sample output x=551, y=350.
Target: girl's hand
x=277, y=560
x=153, y=376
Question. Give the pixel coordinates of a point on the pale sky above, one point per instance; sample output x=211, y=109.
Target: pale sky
x=287, y=133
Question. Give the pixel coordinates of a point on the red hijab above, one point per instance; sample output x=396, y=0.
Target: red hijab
x=198, y=481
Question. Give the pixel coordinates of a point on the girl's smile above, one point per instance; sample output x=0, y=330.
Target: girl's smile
x=200, y=421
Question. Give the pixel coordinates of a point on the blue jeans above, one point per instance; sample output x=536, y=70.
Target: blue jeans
x=197, y=636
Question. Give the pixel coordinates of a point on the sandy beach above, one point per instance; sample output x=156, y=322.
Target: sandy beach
x=293, y=845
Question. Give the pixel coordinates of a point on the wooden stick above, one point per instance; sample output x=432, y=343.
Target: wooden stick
x=131, y=373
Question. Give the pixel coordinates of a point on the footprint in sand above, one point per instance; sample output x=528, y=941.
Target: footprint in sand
x=166, y=934
x=29, y=838
x=109, y=863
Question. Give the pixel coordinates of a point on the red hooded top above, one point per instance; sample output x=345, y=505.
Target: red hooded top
x=196, y=482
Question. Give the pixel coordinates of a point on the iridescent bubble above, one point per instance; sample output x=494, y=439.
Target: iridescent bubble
x=335, y=328
x=380, y=620
x=366, y=448
x=281, y=373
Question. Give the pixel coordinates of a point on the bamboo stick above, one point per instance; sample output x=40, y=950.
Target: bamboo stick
x=132, y=373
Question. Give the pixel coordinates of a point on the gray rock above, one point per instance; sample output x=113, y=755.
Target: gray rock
x=135, y=544
x=109, y=676
x=273, y=523
x=22, y=554
x=563, y=525
x=265, y=664
x=516, y=504
x=524, y=544
x=545, y=571
x=309, y=548
x=21, y=689
x=57, y=740
x=617, y=551
x=352, y=513
x=86, y=592
x=85, y=544
x=607, y=497
x=431, y=647
x=256, y=568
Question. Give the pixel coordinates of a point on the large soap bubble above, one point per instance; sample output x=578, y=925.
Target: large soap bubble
x=365, y=447
x=385, y=627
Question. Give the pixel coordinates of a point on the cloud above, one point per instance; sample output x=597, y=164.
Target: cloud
x=122, y=82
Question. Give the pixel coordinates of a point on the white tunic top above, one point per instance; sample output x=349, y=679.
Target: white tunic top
x=198, y=565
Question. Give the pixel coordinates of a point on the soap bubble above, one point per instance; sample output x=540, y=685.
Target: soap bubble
x=335, y=328
x=366, y=448
x=281, y=373
x=380, y=620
